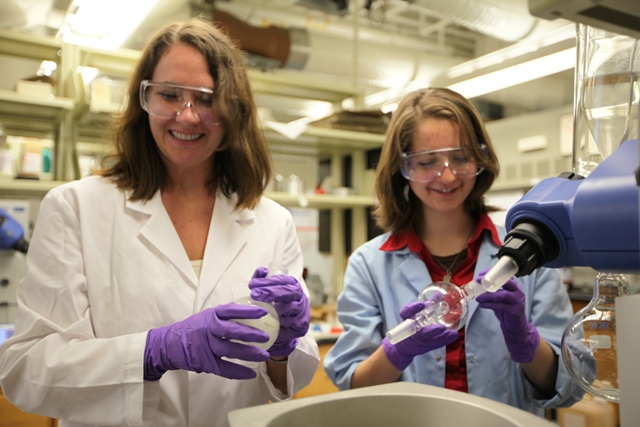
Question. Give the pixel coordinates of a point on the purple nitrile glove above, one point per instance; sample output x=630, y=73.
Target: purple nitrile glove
x=291, y=304
x=199, y=342
x=426, y=339
x=520, y=335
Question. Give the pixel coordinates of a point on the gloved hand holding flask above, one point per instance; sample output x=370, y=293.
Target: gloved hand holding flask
x=199, y=343
x=448, y=304
x=291, y=304
x=521, y=336
x=270, y=323
x=423, y=341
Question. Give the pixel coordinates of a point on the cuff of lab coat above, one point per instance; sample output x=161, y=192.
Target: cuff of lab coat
x=144, y=396
x=302, y=366
x=567, y=391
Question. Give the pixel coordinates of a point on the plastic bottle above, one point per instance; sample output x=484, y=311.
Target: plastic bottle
x=448, y=304
x=268, y=323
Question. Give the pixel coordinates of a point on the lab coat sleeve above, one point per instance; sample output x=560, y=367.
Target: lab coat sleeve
x=54, y=365
x=551, y=312
x=359, y=313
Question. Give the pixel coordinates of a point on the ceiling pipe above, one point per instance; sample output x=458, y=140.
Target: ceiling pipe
x=510, y=20
x=328, y=52
x=272, y=42
x=378, y=66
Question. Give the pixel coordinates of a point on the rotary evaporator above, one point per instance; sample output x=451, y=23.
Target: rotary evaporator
x=589, y=217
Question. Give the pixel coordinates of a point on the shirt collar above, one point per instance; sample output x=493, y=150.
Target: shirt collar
x=410, y=239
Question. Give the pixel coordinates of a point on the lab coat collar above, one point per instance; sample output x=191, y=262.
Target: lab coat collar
x=156, y=227
x=227, y=235
x=413, y=269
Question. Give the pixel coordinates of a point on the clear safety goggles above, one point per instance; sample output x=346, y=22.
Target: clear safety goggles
x=427, y=166
x=168, y=101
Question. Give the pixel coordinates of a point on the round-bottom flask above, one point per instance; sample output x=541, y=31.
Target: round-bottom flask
x=444, y=303
x=448, y=304
x=589, y=349
x=269, y=323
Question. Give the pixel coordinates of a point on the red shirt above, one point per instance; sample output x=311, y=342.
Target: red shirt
x=456, y=367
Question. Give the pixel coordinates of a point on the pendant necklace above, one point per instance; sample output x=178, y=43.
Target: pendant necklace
x=449, y=271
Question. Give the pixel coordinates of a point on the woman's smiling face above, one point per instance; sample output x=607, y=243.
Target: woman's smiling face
x=447, y=192
x=186, y=142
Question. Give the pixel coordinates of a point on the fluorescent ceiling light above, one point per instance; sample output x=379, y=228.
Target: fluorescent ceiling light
x=517, y=74
x=102, y=24
x=521, y=62
x=513, y=52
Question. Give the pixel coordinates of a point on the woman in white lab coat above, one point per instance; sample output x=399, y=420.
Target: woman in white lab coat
x=125, y=312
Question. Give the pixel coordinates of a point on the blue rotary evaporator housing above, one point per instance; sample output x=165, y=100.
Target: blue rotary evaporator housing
x=570, y=220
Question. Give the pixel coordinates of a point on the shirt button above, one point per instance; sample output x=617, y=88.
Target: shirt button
x=438, y=358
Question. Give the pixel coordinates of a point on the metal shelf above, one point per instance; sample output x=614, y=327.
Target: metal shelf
x=32, y=116
x=26, y=188
x=318, y=140
x=38, y=188
x=283, y=83
x=320, y=201
x=13, y=104
x=25, y=45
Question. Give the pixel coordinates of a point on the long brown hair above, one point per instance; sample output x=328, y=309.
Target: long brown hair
x=394, y=211
x=241, y=163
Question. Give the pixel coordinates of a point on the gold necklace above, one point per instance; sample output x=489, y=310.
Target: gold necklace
x=448, y=271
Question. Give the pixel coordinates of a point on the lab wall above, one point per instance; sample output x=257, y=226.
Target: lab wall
x=532, y=147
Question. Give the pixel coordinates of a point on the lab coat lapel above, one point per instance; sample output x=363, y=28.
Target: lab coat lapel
x=415, y=271
x=228, y=234
x=159, y=231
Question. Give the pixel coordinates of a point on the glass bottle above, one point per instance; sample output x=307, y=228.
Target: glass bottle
x=589, y=349
x=448, y=304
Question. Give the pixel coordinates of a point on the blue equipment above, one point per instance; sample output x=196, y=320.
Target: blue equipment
x=574, y=221
x=11, y=234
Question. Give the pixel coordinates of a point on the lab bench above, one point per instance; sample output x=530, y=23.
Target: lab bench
x=326, y=335
x=14, y=417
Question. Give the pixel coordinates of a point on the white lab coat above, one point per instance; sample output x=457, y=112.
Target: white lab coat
x=101, y=272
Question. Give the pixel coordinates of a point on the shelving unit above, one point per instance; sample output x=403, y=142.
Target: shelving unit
x=32, y=116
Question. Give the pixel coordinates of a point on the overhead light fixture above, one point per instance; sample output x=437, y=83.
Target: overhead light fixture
x=516, y=74
x=105, y=25
x=522, y=62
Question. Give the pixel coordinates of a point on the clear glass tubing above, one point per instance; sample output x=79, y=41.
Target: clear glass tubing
x=448, y=304
x=269, y=323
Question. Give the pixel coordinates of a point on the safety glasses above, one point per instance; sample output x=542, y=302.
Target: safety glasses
x=169, y=101
x=427, y=166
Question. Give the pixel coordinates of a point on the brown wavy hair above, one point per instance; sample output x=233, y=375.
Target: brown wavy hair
x=394, y=212
x=241, y=164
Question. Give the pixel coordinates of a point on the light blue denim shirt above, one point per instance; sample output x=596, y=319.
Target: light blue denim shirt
x=379, y=283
